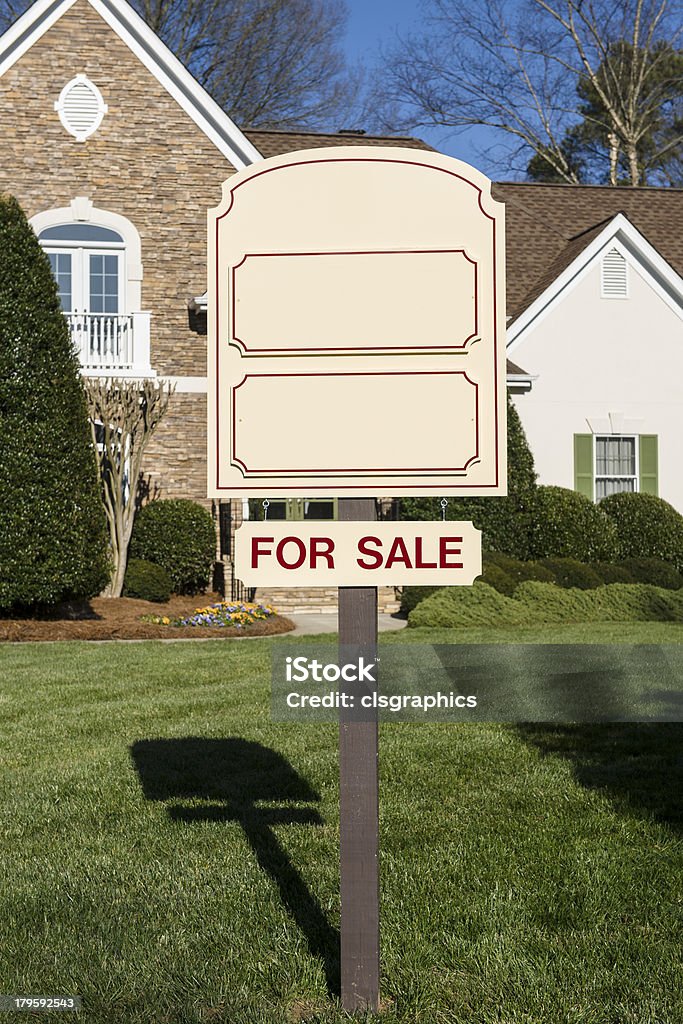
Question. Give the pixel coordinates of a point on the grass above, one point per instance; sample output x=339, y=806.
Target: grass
x=170, y=854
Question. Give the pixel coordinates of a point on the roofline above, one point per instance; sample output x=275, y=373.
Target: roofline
x=664, y=279
x=153, y=53
x=608, y=188
x=348, y=133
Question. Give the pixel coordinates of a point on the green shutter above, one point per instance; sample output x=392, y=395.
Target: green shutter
x=583, y=464
x=648, y=463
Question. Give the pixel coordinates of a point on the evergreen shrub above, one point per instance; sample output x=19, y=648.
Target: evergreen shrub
x=146, y=581
x=505, y=522
x=567, y=524
x=180, y=536
x=609, y=572
x=654, y=571
x=645, y=527
x=53, y=534
x=569, y=572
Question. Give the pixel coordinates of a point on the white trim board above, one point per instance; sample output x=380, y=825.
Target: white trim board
x=152, y=53
x=621, y=234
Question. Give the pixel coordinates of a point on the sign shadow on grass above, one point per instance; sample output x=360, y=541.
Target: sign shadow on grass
x=234, y=776
x=638, y=766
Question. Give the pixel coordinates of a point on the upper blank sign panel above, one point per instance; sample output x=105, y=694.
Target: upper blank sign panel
x=356, y=327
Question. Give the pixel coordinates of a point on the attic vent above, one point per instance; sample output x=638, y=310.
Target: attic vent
x=614, y=276
x=80, y=107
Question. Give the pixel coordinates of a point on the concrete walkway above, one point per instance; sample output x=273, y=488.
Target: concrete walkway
x=312, y=623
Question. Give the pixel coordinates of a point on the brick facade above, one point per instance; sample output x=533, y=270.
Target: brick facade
x=149, y=162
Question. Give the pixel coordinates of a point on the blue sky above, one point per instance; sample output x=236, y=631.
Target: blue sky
x=375, y=22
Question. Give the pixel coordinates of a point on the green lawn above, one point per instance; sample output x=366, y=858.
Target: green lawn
x=170, y=854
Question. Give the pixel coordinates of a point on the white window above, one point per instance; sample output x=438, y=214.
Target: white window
x=88, y=262
x=616, y=464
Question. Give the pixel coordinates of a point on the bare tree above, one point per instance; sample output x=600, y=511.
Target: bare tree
x=517, y=66
x=268, y=63
x=123, y=417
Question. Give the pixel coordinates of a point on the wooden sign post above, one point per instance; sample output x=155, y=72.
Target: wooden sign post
x=348, y=286
x=359, y=801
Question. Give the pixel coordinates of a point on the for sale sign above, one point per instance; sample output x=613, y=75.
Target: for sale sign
x=444, y=554
x=357, y=328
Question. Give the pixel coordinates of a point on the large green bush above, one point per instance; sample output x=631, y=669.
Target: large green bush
x=53, y=540
x=645, y=527
x=611, y=573
x=146, y=581
x=180, y=536
x=505, y=522
x=568, y=525
x=545, y=603
x=517, y=570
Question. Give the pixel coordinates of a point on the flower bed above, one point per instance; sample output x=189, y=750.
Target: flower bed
x=220, y=615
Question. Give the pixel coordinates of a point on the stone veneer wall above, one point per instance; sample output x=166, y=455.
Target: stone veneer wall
x=149, y=162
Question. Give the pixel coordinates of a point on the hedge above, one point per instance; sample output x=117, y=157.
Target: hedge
x=180, y=536
x=654, y=571
x=568, y=572
x=544, y=603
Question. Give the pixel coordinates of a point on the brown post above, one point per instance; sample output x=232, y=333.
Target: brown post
x=359, y=801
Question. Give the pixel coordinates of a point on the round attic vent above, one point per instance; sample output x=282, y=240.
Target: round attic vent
x=80, y=107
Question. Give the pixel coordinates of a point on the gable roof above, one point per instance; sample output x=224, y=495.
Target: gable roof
x=548, y=226
x=155, y=56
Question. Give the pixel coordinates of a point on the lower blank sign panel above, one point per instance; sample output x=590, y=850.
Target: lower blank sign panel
x=314, y=405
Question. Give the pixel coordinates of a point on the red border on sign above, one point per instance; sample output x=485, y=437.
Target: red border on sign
x=364, y=470
x=339, y=488
x=246, y=349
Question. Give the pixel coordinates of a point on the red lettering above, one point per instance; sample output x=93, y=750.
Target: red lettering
x=419, y=564
x=257, y=551
x=326, y=552
x=281, y=558
x=375, y=555
x=398, y=553
x=445, y=551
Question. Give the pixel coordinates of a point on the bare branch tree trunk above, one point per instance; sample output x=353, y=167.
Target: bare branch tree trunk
x=124, y=415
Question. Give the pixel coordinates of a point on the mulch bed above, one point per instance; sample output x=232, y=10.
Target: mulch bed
x=119, y=619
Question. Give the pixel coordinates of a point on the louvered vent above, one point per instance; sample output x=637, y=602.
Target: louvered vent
x=614, y=276
x=80, y=107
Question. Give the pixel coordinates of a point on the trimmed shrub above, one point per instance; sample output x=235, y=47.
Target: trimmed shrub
x=519, y=571
x=568, y=572
x=505, y=522
x=654, y=571
x=478, y=605
x=646, y=527
x=146, y=581
x=411, y=597
x=611, y=573
x=545, y=603
x=53, y=534
x=497, y=578
x=568, y=525
x=180, y=536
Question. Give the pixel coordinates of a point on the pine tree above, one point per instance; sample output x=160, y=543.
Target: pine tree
x=53, y=542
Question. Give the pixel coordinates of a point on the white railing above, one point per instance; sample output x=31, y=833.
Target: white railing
x=112, y=343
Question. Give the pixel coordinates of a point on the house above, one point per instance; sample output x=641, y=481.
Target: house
x=116, y=153
x=595, y=305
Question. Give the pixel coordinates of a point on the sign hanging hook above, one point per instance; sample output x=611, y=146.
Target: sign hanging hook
x=266, y=506
x=444, y=506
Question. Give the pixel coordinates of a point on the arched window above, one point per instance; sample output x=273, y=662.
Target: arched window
x=88, y=262
x=95, y=257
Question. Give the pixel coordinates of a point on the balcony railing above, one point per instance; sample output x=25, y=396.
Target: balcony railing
x=112, y=343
